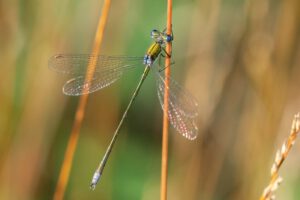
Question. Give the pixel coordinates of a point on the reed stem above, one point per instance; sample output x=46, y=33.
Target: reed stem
x=165, y=133
x=73, y=140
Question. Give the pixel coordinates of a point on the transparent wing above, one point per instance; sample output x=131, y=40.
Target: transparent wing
x=108, y=69
x=78, y=85
x=183, y=108
x=76, y=64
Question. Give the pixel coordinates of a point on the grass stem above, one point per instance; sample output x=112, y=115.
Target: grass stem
x=165, y=133
x=72, y=143
x=281, y=156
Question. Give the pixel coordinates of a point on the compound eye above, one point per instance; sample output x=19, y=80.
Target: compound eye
x=154, y=33
x=169, y=38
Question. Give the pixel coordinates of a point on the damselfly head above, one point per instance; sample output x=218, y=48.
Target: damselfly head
x=161, y=37
x=155, y=34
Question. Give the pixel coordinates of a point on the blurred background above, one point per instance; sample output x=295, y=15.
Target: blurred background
x=240, y=59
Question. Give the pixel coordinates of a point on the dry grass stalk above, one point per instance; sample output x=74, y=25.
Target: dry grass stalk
x=72, y=143
x=281, y=155
x=165, y=133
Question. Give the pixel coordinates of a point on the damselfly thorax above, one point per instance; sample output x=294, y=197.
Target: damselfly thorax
x=155, y=50
x=152, y=53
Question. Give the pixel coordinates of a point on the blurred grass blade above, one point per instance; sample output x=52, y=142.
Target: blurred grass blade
x=72, y=143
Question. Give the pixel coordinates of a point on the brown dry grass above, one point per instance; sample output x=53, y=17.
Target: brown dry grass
x=165, y=130
x=281, y=156
x=73, y=140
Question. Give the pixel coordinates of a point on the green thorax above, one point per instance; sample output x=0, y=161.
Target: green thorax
x=153, y=51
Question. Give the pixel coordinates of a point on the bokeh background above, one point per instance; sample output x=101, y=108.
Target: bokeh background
x=240, y=59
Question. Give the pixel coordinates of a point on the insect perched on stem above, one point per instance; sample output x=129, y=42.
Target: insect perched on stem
x=105, y=70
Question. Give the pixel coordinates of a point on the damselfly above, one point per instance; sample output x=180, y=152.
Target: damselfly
x=182, y=106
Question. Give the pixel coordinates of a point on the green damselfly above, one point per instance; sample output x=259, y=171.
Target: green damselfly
x=182, y=106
